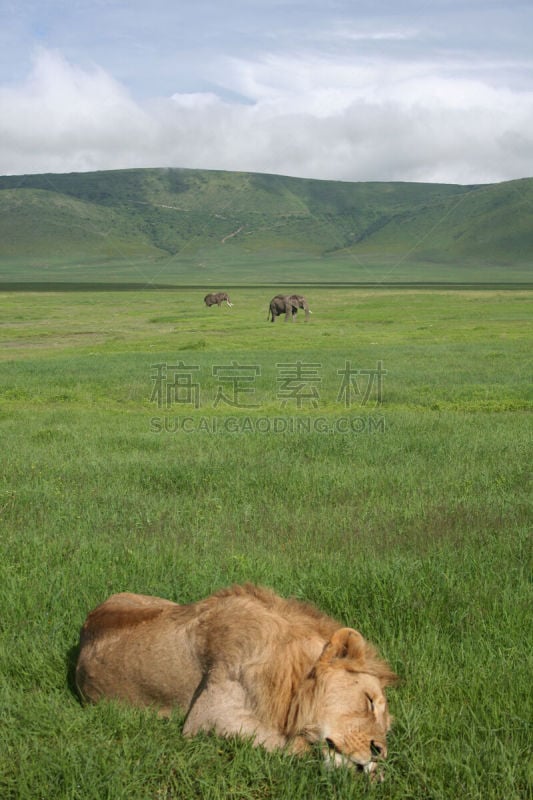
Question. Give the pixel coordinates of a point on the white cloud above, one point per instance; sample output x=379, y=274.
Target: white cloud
x=195, y=100
x=307, y=116
x=358, y=35
x=65, y=118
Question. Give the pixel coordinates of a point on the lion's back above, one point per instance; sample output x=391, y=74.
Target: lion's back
x=264, y=601
x=249, y=624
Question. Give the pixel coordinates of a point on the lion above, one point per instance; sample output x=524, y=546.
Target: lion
x=243, y=662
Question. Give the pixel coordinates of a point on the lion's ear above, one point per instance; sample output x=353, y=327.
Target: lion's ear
x=345, y=643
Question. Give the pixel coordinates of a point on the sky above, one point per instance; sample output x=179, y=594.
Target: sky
x=353, y=90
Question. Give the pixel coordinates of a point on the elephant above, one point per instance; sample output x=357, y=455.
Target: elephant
x=288, y=304
x=217, y=298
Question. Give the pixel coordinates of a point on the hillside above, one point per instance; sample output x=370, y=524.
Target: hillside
x=176, y=224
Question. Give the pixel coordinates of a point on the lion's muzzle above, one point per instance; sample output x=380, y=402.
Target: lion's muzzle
x=335, y=757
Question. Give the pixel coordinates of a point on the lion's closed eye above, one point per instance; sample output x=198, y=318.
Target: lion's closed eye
x=370, y=703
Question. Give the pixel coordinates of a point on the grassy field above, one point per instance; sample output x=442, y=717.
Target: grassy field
x=154, y=445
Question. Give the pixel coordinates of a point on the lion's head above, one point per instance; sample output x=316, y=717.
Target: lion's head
x=343, y=705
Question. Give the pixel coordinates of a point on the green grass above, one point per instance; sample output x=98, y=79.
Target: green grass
x=415, y=528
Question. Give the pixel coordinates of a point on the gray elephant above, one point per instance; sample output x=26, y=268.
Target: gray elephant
x=288, y=304
x=217, y=298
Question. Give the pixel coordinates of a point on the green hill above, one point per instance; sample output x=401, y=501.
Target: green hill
x=177, y=225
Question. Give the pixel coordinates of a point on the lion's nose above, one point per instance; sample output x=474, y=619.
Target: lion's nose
x=377, y=749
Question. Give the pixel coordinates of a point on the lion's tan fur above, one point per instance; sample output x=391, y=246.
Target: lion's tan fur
x=242, y=661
